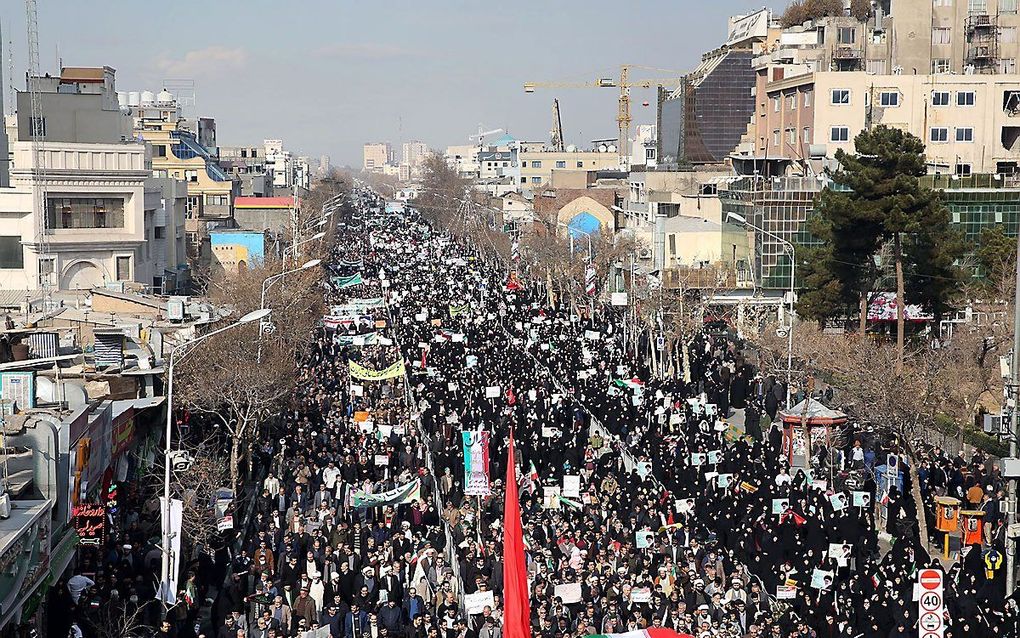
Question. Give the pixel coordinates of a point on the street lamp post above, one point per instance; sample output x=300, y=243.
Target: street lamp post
x=293, y=247
x=312, y=263
x=165, y=593
x=793, y=278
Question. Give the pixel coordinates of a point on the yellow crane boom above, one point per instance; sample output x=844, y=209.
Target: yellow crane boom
x=625, y=84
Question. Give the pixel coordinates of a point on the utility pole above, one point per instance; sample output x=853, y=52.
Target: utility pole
x=1014, y=379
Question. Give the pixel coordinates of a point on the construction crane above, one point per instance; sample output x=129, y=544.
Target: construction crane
x=481, y=135
x=625, y=84
x=556, y=133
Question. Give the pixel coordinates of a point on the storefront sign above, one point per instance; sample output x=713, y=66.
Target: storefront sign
x=90, y=522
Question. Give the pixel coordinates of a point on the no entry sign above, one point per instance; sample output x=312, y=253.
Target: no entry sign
x=930, y=605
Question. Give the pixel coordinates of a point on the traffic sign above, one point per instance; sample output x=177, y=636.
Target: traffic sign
x=931, y=579
x=930, y=601
x=930, y=621
x=931, y=604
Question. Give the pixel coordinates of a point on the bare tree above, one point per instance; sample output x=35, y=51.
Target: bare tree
x=241, y=378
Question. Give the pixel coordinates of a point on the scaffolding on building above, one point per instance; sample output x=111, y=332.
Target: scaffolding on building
x=982, y=42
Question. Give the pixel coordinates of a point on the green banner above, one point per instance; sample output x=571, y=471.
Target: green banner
x=459, y=310
x=397, y=496
x=344, y=282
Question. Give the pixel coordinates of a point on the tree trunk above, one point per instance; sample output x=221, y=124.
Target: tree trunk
x=235, y=454
x=863, y=321
x=900, y=304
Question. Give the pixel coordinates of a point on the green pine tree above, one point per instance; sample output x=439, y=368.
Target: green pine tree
x=878, y=200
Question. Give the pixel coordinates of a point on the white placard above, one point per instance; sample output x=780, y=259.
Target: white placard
x=477, y=602
x=492, y=392
x=572, y=486
x=357, y=390
x=382, y=459
x=568, y=593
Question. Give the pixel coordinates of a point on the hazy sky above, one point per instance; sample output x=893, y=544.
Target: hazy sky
x=327, y=76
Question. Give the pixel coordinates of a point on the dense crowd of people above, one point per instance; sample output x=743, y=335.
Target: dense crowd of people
x=647, y=503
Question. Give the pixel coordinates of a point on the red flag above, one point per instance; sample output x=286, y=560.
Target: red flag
x=511, y=398
x=516, y=604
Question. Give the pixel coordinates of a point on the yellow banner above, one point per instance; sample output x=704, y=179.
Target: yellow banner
x=365, y=374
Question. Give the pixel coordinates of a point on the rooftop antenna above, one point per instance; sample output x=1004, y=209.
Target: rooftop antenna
x=37, y=131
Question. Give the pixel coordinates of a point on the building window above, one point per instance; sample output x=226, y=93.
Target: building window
x=217, y=200
x=536, y=180
x=963, y=170
x=889, y=98
x=1007, y=66
x=839, y=134
x=791, y=102
x=942, y=3
x=807, y=136
x=561, y=164
x=524, y=180
x=191, y=175
x=46, y=271
x=159, y=150
x=807, y=98
x=775, y=104
x=939, y=134
x=791, y=136
x=194, y=206
x=940, y=98
x=84, y=212
x=536, y=164
x=940, y=66
x=1007, y=35
x=244, y=153
x=649, y=153
x=159, y=232
x=941, y=35
x=11, y=254
x=775, y=138
x=840, y=96
x=965, y=98
x=1007, y=6
x=965, y=134
x=580, y=164
x=37, y=127
x=847, y=35
x=977, y=6
x=875, y=67
x=123, y=268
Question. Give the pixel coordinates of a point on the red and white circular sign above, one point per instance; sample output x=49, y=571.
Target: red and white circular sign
x=931, y=579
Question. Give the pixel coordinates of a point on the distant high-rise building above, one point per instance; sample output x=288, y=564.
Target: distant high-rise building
x=414, y=153
x=376, y=155
x=323, y=164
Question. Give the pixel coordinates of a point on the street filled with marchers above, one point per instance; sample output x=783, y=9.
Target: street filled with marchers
x=633, y=504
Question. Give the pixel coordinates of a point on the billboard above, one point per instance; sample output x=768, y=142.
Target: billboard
x=754, y=25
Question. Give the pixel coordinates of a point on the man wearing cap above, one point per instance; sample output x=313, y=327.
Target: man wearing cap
x=304, y=607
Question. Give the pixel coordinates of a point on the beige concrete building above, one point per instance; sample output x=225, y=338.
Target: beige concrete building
x=376, y=155
x=954, y=36
x=537, y=167
x=969, y=123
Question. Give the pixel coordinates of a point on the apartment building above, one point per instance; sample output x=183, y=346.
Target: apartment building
x=536, y=167
x=248, y=164
x=178, y=154
x=83, y=211
x=969, y=123
x=414, y=154
x=376, y=155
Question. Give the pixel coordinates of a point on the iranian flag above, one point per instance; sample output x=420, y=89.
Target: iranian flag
x=633, y=383
x=651, y=632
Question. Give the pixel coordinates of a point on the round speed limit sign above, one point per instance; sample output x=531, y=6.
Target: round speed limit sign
x=930, y=601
